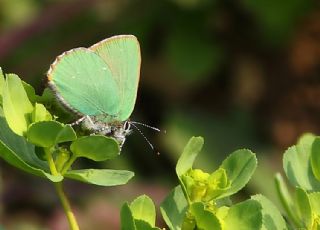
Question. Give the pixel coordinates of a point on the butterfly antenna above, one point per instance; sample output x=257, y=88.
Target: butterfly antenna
x=147, y=126
x=146, y=139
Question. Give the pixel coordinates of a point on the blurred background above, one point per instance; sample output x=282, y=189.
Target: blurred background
x=242, y=74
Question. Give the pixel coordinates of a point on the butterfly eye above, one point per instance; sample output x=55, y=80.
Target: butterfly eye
x=127, y=125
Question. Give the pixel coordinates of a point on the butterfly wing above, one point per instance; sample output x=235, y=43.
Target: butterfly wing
x=85, y=83
x=122, y=55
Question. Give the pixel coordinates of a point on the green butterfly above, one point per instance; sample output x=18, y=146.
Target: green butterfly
x=100, y=84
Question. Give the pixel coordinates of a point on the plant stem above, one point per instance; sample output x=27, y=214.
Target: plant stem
x=64, y=200
x=50, y=160
x=66, y=206
x=68, y=164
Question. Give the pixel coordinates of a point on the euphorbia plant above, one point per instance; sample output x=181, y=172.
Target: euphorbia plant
x=202, y=200
x=32, y=139
x=36, y=140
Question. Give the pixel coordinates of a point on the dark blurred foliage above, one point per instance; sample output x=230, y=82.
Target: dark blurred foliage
x=240, y=73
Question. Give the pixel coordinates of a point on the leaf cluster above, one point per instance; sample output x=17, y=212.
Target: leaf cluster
x=202, y=200
x=301, y=164
x=33, y=140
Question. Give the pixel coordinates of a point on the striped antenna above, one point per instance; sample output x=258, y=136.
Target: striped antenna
x=146, y=139
x=147, y=126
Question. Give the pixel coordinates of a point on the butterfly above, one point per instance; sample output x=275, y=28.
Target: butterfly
x=99, y=84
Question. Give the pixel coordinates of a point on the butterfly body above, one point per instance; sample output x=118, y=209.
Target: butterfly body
x=99, y=84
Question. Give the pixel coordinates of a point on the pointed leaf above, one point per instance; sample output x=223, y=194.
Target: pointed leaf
x=143, y=208
x=188, y=155
x=102, y=177
x=127, y=221
x=97, y=148
x=243, y=216
x=49, y=133
x=286, y=199
x=272, y=218
x=40, y=113
x=240, y=166
x=173, y=208
x=16, y=105
x=186, y=160
x=304, y=208
x=31, y=93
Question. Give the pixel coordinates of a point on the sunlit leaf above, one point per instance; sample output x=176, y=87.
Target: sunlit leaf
x=188, y=155
x=16, y=106
x=297, y=165
x=239, y=166
x=272, y=218
x=286, y=198
x=102, y=177
x=173, y=208
x=143, y=208
x=18, y=152
x=303, y=208
x=205, y=219
x=50, y=133
x=243, y=216
x=97, y=148
x=40, y=113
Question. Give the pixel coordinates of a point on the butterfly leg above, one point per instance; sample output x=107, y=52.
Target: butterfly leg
x=121, y=144
x=77, y=122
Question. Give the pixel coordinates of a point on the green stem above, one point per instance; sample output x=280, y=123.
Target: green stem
x=64, y=200
x=66, y=206
x=68, y=164
x=51, y=163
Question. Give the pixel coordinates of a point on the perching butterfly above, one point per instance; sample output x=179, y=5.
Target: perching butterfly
x=100, y=84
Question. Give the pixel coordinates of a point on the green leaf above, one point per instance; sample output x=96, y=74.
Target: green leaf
x=97, y=148
x=188, y=155
x=185, y=162
x=2, y=82
x=240, y=166
x=205, y=219
x=16, y=105
x=21, y=154
x=40, y=113
x=286, y=199
x=102, y=177
x=314, y=199
x=304, y=208
x=143, y=208
x=127, y=221
x=243, y=216
x=306, y=139
x=31, y=93
x=143, y=225
x=272, y=218
x=297, y=165
x=315, y=158
x=49, y=133
x=173, y=208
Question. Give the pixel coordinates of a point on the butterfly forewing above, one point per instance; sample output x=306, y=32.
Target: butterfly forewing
x=85, y=82
x=122, y=55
